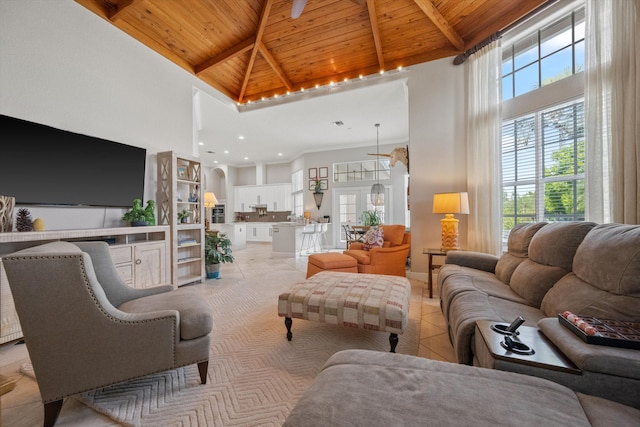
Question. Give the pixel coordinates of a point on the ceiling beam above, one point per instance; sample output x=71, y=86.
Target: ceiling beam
x=443, y=25
x=373, y=17
x=259, y=32
x=275, y=66
x=228, y=54
x=115, y=14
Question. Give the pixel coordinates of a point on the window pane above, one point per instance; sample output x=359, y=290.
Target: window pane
x=526, y=51
x=556, y=67
x=555, y=37
x=526, y=79
x=507, y=87
x=579, y=56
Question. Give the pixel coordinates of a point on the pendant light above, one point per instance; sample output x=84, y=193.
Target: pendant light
x=377, y=189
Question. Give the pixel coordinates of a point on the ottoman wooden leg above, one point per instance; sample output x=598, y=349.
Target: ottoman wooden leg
x=287, y=323
x=393, y=340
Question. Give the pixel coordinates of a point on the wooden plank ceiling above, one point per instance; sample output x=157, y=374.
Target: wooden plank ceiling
x=253, y=48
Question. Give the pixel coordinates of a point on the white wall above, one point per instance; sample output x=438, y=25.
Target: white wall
x=436, y=149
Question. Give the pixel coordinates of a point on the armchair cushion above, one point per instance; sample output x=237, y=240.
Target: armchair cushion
x=195, y=316
x=373, y=238
x=393, y=234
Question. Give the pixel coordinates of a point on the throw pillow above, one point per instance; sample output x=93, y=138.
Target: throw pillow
x=373, y=238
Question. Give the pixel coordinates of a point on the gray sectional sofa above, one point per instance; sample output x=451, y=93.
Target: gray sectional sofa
x=588, y=269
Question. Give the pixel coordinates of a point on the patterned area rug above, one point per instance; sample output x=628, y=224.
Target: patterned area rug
x=255, y=375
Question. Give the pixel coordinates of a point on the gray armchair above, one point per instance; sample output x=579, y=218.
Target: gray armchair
x=85, y=329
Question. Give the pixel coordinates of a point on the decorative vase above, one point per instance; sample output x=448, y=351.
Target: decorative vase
x=139, y=223
x=6, y=213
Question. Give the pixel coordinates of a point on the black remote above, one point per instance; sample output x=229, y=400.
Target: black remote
x=515, y=324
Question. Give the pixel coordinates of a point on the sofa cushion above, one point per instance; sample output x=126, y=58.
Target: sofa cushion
x=551, y=253
x=196, y=319
x=367, y=388
x=605, y=281
x=393, y=234
x=373, y=238
x=517, y=249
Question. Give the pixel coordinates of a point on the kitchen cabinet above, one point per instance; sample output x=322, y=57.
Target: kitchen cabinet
x=259, y=232
x=277, y=197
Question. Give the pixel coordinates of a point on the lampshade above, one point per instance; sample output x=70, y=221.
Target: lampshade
x=449, y=204
x=377, y=194
x=210, y=200
x=377, y=189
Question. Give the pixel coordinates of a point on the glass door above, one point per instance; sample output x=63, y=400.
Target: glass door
x=348, y=208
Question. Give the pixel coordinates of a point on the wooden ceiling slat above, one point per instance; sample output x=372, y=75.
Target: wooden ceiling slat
x=225, y=56
x=263, y=22
x=373, y=17
x=115, y=14
x=430, y=10
x=253, y=48
x=274, y=65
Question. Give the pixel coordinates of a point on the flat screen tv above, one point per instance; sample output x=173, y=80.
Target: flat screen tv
x=42, y=165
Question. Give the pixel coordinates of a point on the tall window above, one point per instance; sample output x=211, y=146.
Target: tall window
x=542, y=132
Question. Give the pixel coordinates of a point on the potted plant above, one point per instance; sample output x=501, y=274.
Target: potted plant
x=371, y=218
x=137, y=216
x=217, y=250
x=183, y=215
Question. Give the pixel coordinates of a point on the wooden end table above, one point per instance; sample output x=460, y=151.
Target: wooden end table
x=431, y=252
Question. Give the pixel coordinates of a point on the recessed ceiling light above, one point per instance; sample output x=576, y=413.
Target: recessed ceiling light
x=215, y=161
x=246, y=158
x=200, y=143
x=279, y=154
x=226, y=151
x=241, y=137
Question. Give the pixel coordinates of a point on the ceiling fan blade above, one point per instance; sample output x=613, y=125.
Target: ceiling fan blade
x=297, y=7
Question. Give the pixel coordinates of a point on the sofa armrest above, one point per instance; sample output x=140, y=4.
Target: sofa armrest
x=356, y=246
x=476, y=260
x=617, y=361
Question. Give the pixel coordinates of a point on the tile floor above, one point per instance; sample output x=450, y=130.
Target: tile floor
x=21, y=407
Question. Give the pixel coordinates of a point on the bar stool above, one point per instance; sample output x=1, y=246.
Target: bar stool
x=322, y=237
x=310, y=235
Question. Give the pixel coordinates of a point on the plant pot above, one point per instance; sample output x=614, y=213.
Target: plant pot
x=213, y=271
x=139, y=223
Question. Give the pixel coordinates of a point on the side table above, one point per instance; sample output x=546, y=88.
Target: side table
x=431, y=252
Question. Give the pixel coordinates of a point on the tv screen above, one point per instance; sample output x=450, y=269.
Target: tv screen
x=42, y=165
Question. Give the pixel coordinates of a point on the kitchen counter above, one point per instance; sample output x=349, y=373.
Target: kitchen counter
x=287, y=238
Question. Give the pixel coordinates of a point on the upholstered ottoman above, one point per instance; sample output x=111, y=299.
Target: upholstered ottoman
x=331, y=261
x=375, y=302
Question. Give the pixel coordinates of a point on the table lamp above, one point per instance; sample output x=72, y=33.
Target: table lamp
x=210, y=201
x=449, y=204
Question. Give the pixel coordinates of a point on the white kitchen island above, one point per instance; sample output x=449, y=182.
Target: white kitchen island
x=287, y=238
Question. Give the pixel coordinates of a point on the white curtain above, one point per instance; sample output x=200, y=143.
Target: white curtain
x=484, y=178
x=612, y=111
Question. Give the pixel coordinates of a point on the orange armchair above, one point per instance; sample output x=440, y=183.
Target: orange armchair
x=390, y=259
